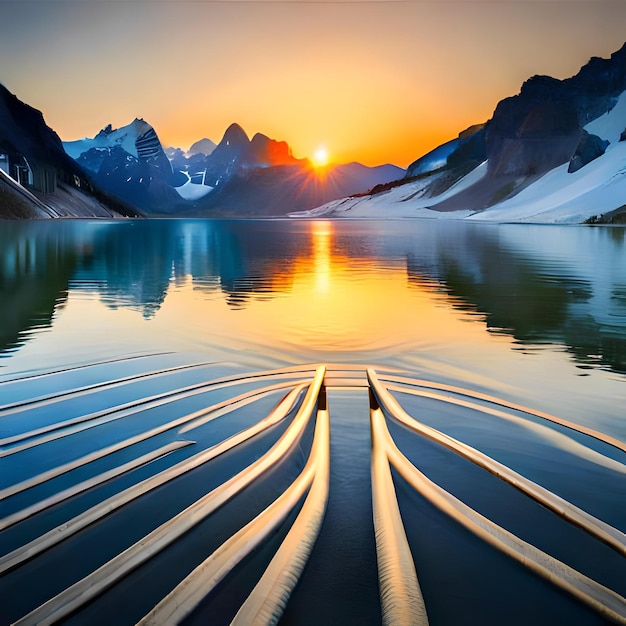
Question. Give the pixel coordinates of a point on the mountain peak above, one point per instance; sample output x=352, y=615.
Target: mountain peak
x=235, y=136
x=107, y=130
x=137, y=138
x=203, y=146
x=260, y=138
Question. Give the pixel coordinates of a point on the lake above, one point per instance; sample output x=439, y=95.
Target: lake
x=145, y=366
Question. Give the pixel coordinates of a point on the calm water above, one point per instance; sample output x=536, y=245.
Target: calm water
x=528, y=315
x=532, y=312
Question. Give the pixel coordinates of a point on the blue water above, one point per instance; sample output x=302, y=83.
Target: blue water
x=120, y=324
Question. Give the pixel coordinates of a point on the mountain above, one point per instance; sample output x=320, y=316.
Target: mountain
x=280, y=189
x=238, y=177
x=37, y=178
x=236, y=154
x=555, y=152
x=129, y=163
x=203, y=146
x=261, y=177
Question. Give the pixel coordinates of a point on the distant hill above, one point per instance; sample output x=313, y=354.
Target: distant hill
x=278, y=190
x=203, y=146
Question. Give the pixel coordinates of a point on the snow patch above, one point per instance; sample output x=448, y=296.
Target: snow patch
x=610, y=125
x=192, y=191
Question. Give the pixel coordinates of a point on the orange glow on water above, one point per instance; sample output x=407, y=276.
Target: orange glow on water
x=321, y=233
x=323, y=302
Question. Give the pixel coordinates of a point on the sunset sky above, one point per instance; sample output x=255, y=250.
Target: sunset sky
x=373, y=81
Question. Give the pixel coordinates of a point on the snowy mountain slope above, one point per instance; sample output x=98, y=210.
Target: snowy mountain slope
x=555, y=153
x=409, y=200
x=557, y=197
x=561, y=197
x=191, y=190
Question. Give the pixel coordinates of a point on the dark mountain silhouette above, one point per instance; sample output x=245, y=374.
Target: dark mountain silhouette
x=39, y=179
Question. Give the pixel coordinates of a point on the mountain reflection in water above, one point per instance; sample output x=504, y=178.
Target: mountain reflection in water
x=336, y=286
x=171, y=392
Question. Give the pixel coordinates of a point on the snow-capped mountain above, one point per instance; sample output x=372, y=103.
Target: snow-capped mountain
x=138, y=139
x=556, y=152
x=260, y=177
x=130, y=163
x=239, y=176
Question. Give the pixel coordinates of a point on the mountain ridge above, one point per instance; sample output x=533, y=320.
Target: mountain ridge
x=240, y=177
x=544, y=138
x=555, y=151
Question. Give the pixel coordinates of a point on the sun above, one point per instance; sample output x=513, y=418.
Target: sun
x=320, y=157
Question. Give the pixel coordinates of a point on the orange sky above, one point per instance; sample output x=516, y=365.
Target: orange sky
x=373, y=81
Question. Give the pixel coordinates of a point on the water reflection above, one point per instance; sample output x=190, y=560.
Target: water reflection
x=563, y=297
x=34, y=276
x=335, y=285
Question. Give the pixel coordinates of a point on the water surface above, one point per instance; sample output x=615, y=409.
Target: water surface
x=530, y=315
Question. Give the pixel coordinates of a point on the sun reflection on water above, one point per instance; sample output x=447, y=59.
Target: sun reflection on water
x=328, y=300
x=307, y=290
x=321, y=233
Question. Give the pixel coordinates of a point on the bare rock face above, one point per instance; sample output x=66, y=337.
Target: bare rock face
x=541, y=127
x=531, y=135
x=25, y=134
x=622, y=137
x=265, y=152
x=55, y=184
x=589, y=148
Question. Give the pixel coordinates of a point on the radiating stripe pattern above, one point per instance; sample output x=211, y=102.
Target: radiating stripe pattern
x=193, y=481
